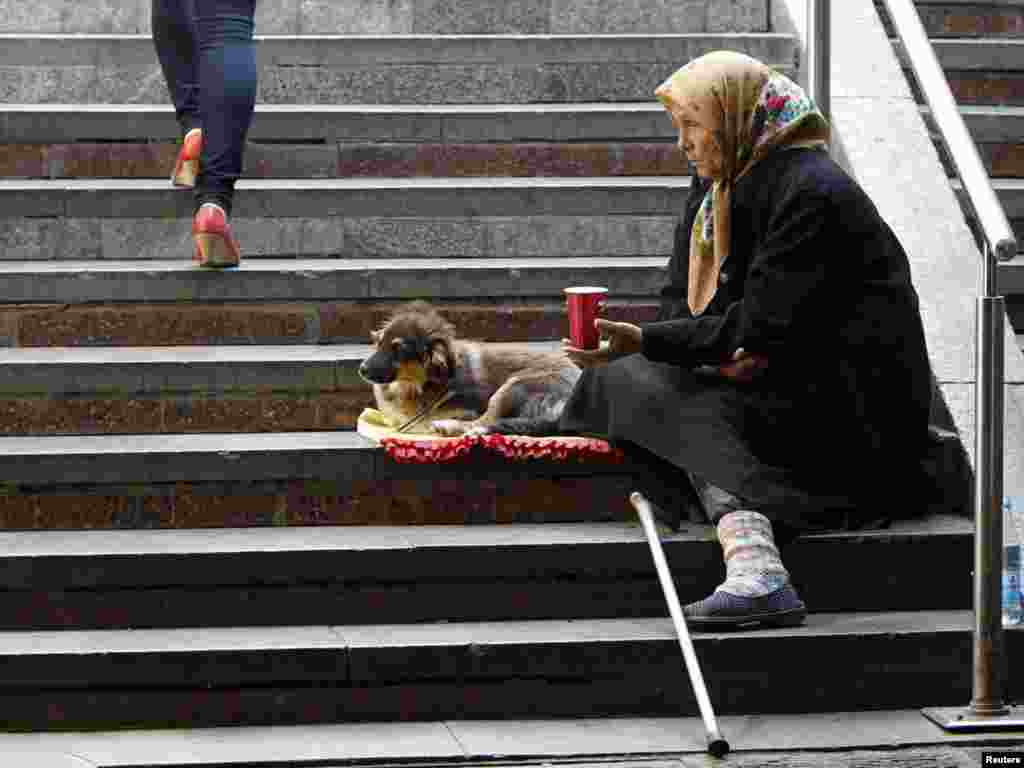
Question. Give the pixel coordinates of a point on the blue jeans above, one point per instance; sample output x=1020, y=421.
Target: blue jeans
x=208, y=58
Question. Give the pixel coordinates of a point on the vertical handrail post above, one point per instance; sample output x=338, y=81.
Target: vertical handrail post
x=987, y=698
x=987, y=710
x=819, y=54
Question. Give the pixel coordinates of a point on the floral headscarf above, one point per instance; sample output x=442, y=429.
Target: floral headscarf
x=753, y=111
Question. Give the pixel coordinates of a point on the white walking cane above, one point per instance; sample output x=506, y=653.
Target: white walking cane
x=717, y=745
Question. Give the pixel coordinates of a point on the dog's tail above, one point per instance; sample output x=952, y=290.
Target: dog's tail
x=524, y=425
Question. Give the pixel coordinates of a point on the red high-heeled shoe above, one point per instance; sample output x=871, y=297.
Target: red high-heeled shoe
x=187, y=167
x=211, y=234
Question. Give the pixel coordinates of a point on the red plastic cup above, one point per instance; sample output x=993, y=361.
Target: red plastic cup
x=582, y=304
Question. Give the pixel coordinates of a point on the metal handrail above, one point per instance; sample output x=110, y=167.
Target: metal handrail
x=962, y=149
x=987, y=709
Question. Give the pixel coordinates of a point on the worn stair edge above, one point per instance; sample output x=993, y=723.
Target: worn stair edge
x=944, y=20
x=284, y=323
x=353, y=197
x=639, y=741
x=341, y=457
x=1011, y=276
x=47, y=50
x=479, y=670
x=368, y=17
x=374, y=574
x=380, y=554
x=989, y=124
x=35, y=123
x=124, y=549
x=59, y=371
x=76, y=282
x=1007, y=3
x=249, y=388
x=973, y=55
x=471, y=236
x=406, y=143
x=31, y=658
x=357, y=160
x=405, y=69
x=1010, y=192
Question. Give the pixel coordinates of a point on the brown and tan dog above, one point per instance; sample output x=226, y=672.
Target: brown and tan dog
x=486, y=386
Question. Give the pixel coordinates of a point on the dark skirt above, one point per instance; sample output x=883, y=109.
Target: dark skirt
x=785, y=459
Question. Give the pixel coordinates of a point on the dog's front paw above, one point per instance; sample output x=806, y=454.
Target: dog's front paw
x=449, y=427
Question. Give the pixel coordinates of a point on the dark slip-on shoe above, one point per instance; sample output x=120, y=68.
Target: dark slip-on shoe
x=721, y=610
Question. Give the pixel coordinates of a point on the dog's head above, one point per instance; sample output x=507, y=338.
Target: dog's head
x=414, y=346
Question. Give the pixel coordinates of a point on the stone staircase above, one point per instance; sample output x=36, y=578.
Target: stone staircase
x=980, y=45
x=194, y=536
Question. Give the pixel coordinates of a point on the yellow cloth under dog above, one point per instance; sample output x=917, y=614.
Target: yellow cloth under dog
x=375, y=425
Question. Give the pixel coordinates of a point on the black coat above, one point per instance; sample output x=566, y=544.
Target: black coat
x=818, y=283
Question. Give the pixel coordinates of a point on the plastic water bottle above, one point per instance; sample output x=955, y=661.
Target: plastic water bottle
x=1013, y=614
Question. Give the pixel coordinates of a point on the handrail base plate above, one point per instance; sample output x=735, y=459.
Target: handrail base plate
x=962, y=720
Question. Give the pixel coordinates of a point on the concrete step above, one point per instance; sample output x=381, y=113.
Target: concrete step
x=1003, y=161
x=398, y=69
x=288, y=141
x=77, y=680
x=988, y=20
x=238, y=480
x=985, y=71
x=132, y=390
x=284, y=479
x=250, y=388
x=149, y=324
x=991, y=124
x=350, y=123
x=332, y=161
x=290, y=155
x=970, y=18
x=369, y=574
x=1011, y=273
x=358, y=198
x=485, y=140
x=1003, y=88
x=977, y=55
x=891, y=738
x=74, y=282
x=461, y=232
x=362, y=218
x=365, y=17
x=183, y=457
x=997, y=131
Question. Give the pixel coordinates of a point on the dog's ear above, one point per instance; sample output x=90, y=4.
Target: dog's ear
x=440, y=361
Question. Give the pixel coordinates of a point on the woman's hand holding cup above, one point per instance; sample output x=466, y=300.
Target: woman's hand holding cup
x=620, y=339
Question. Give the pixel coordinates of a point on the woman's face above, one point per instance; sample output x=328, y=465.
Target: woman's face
x=700, y=144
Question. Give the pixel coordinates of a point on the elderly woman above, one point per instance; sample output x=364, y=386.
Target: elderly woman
x=788, y=375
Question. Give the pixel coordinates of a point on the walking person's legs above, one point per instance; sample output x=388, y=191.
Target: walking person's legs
x=227, y=94
x=174, y=35
x=208, y=57
x=227, y=97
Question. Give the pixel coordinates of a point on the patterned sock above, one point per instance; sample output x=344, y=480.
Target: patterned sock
x=753, y=566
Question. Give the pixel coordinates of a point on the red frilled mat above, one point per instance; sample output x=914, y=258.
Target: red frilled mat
x=431, y=449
